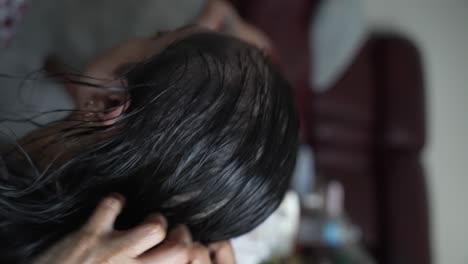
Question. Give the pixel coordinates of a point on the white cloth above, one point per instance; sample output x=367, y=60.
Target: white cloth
x=273, y=238
x=75, y=31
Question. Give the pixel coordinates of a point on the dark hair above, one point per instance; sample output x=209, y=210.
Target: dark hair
x=209, y=140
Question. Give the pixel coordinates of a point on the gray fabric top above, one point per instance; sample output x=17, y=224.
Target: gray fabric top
x=75, y=31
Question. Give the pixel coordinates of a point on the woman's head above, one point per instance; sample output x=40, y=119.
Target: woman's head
x=208, y=138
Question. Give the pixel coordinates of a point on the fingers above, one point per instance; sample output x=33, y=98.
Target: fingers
x=180, y=234
x=215, y=12
x=200, y=254
x=104, y=215
x=176, y=249
x=140, y=239
x=222, y=253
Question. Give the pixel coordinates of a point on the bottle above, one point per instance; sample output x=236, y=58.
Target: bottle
x=325, y=234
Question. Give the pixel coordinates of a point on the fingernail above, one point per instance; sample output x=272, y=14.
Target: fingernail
x=117, y=196
x=157, y=217
x=115, y=199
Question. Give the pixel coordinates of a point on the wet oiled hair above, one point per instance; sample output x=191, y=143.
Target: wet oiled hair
x=209, y=140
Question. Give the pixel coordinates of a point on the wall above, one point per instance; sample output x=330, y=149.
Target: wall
x=440, y=28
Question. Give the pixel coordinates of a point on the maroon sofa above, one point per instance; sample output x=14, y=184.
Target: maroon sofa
x=367, y=131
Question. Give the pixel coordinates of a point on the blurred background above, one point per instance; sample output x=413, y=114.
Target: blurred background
x=381, y=89
x=439, y=30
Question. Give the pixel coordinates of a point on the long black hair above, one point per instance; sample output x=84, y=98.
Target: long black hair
x=209, y=140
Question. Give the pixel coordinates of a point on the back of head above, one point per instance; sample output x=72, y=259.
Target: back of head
x=209, y=140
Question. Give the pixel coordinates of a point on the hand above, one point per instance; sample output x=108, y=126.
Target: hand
x=222, y=253
x=98, y=243
x=219, y=15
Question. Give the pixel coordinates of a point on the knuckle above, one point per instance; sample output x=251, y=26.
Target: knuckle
x=181, y=249
x=198, y=246
x=200, y=250
x=155, y=229
x=84, y=244
x=87, y=237
x=184, y=252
